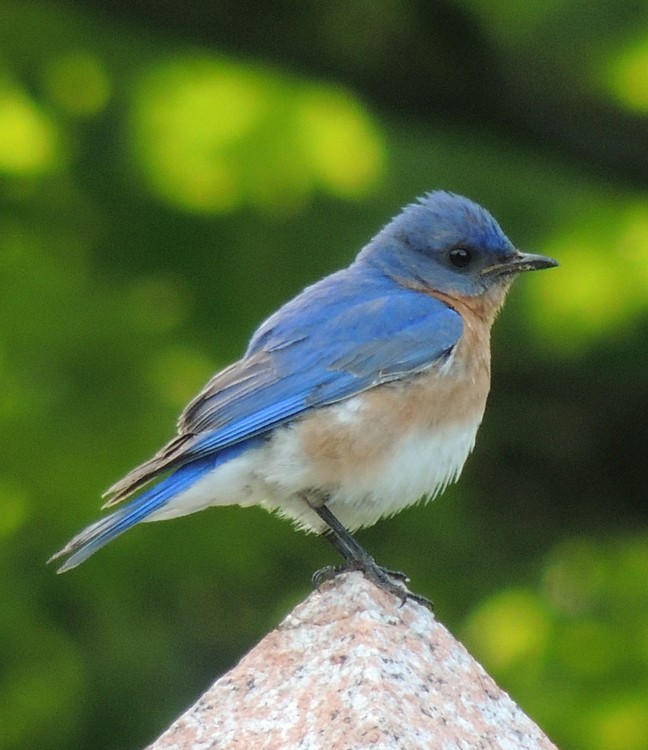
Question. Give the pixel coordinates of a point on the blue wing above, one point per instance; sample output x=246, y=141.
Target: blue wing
x=343, y=335
x=346, y=334
x=335, y=340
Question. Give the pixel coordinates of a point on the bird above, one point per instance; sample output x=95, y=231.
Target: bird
x=356, y=399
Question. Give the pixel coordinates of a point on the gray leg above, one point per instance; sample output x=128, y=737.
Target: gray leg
x=357, y=558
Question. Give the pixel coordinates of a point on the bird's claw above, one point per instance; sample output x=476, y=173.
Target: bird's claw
x=383, y=578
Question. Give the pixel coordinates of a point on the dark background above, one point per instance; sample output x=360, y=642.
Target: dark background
x=169, y=174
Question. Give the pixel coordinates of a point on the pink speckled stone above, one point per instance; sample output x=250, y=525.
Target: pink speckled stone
x=350, y=669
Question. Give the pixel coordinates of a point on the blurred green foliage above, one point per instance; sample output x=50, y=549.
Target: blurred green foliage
x=169, y=174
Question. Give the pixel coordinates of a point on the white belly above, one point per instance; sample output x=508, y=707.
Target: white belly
x=278, y=474
x=418, y=466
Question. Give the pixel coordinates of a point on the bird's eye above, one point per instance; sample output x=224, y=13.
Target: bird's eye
x=460, y=257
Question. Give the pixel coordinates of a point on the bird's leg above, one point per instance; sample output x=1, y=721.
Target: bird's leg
x=357, y=558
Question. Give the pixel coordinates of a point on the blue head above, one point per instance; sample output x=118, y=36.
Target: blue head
x=447, y=243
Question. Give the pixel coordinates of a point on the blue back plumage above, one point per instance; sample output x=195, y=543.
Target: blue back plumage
x=340, y=337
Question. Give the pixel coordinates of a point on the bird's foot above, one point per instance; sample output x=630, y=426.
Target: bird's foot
x=357, y=558
x=391, y=581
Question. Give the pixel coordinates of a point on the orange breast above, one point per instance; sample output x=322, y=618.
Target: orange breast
x=359, y=433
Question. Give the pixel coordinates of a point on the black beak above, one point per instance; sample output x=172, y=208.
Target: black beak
x=519, y=262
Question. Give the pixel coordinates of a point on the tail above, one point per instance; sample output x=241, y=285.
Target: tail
x=100, y=533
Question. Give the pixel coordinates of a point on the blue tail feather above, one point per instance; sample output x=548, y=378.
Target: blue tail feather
x=100, y=533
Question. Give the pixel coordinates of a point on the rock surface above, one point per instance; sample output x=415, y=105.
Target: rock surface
x=350, y=669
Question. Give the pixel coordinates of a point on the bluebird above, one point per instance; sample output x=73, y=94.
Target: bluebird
x=356, y=399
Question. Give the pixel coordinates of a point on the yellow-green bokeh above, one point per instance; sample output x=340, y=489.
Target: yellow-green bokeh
x=212, y=135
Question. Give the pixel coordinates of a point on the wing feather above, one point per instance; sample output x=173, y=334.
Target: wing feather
x=338, y=338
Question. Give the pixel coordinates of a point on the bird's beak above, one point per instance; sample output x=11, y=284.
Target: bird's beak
x=519, y=262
